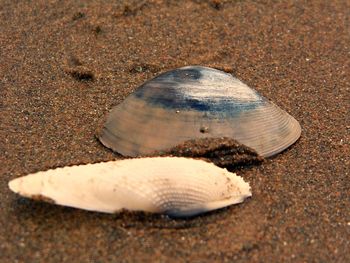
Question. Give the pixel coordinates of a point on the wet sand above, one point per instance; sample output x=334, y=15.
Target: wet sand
x=64, y=64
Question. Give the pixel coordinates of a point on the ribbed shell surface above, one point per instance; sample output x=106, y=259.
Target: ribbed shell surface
x=197, y=102
x=174, y=186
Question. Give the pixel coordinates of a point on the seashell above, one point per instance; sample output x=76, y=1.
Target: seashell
x=179, y=187
x=192, y=103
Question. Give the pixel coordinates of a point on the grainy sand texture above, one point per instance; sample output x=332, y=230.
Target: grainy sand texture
x=64, y=64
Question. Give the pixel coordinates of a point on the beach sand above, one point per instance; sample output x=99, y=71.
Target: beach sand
x=64, y=64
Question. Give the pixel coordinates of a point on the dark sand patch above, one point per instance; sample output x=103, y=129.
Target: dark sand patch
x=224, y=152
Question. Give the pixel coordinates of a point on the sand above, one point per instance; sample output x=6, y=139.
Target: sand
x=64, y=64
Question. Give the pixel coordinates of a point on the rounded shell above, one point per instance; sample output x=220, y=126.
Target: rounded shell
x=174, y=186
x=196, y=102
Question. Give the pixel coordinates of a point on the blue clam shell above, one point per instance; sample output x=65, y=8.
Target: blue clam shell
x=196, y=102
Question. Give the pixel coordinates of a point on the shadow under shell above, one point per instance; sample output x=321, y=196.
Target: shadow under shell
x=196, y=102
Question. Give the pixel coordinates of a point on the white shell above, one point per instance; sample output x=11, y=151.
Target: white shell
x=170, y=185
